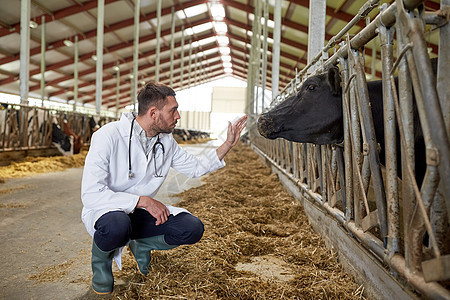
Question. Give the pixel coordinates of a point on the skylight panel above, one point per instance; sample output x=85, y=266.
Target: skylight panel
x=223, y=40
x=227, y=65
x=226, y=58
x=220, y=27
x=188, y=31
x=224, y=50
x=207, y=40
x=217, y=11
x=202, y=27
x=192, y=11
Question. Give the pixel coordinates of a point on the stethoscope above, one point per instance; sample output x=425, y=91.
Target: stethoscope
x=157, y=145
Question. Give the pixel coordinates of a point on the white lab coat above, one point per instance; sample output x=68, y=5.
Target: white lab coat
x=106, y=187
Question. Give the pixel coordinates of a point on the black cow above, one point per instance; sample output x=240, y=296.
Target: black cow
x=314, y=115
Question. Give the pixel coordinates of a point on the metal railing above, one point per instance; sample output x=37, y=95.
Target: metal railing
x=35, y=132
x=388, y=216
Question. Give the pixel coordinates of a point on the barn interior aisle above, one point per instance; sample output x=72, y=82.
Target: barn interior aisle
x=257, y=243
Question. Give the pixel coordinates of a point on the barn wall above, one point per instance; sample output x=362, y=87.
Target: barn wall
x=228, y=100
x=194, y=120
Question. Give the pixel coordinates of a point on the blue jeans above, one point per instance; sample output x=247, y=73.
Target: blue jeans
x=114, y=229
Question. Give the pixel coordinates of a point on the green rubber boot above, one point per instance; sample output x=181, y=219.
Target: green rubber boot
x=102, y=279
x=141, y=250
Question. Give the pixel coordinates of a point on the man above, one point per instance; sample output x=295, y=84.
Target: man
x=127, y=163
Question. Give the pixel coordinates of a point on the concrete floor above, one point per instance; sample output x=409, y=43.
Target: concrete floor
x=41, y=228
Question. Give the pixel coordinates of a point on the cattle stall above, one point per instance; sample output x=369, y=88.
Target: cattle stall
x=41, y=132
x=393, y=233
x=48, y=131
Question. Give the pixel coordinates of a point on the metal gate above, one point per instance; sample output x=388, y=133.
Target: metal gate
x=403, y=225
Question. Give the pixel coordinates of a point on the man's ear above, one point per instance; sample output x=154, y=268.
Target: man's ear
x=334, y=80
x=153, y=112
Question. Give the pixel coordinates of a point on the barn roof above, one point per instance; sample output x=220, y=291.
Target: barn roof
x=218, y=32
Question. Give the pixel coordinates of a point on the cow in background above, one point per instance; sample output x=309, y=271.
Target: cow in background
x=64, y=139
x=77, y=140
x=61, y=141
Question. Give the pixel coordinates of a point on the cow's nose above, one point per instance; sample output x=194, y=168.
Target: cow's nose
x=264, y=125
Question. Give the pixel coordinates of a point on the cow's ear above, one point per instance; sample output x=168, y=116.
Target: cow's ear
x=334, y=80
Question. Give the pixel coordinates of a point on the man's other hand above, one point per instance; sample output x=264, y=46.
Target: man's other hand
x=155, y=208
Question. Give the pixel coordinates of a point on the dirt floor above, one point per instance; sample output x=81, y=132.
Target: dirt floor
x=257, y=244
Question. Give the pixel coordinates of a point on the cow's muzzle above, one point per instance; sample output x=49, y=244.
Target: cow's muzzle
x=266, y=126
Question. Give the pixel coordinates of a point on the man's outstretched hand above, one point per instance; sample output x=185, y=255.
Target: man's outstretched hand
x=233, y=134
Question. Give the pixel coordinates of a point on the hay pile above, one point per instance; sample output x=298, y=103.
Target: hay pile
x=248, y=217
x=35, y=165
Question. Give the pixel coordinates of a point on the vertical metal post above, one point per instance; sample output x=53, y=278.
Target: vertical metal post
x=443, y=76
x=117, y=90
x=182, y=57
x=258, y=50
x=253, y=78
x=99, y=53
x=316, y=31
x=276, y=49
x=190, y=63
x=75, y=74
x=386, y=43
x=24, y=65
x=347, y=183
x=433, y=111
x=266, y=31
x=158, y=38
x=406, y=111
x=195, y=68
x=24, y=50
x=356, y=159
x=316, y=39
x=137, y=6
x=172, y=46
x=369, y=129
x=43, y=46
x=374, y=59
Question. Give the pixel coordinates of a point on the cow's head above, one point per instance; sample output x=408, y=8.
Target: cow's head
x=313, y=115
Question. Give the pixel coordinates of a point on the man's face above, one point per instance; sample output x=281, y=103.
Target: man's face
x=167, y=116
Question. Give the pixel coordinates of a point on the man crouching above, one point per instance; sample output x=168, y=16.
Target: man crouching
x=127, y=163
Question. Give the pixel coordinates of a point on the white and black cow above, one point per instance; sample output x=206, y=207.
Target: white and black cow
x=314, y=115
x=64, y=139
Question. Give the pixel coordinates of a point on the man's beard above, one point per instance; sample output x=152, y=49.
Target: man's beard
x=166, y=129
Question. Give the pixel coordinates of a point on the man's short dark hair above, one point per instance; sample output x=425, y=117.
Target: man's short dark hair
x=153, y=94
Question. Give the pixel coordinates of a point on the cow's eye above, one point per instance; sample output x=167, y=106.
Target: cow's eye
x=311, y=87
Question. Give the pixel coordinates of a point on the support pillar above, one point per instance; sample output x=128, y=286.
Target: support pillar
x=137, y=5
x=182, y=57
x=158, y=38
x=99, y=53
x=276, y=49
x=43, y=46
x=172, y=46
x=75, y=75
